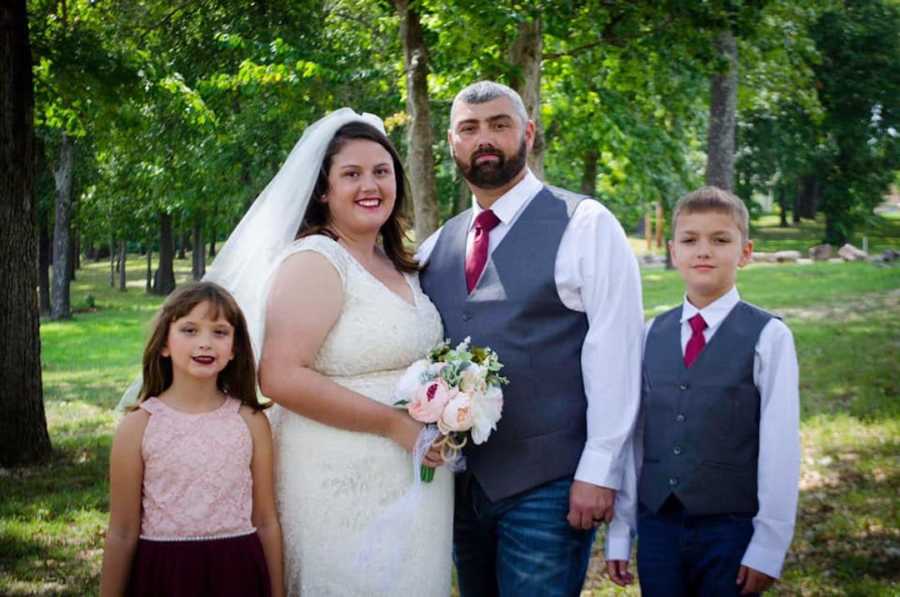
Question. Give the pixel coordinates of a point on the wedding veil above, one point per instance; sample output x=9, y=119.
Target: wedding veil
x=249, y=257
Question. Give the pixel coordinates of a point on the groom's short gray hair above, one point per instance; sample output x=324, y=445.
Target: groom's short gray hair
x=485, y=91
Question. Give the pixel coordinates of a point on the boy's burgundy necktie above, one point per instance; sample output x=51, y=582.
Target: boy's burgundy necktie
x=697, y=341
x=484, y=223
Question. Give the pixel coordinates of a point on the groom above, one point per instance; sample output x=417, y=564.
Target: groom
x=547, y=279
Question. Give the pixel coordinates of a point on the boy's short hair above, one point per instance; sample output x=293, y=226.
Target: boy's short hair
x=714, y=199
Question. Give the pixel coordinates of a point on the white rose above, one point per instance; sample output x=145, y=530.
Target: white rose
x=472, y=379
x=486, y=411
x=410, y=381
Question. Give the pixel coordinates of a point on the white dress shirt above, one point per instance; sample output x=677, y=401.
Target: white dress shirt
x=595, y=273
x=776, y=376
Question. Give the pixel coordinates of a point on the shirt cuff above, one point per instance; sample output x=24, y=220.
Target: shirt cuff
x=597, y=468
x=618, y=543
x=767, y=561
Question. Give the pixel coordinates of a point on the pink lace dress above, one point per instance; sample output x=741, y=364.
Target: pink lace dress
x=197, y=537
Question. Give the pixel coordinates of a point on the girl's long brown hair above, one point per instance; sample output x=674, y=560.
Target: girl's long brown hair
x=317, y=216
x=237, y=379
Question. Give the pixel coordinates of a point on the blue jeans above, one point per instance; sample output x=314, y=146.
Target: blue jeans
x=680, y=555
x=520, y=546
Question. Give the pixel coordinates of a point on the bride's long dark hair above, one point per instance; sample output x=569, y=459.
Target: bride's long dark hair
x=317, y=216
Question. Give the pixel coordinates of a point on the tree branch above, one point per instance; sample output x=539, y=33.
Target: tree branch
x=608, y=37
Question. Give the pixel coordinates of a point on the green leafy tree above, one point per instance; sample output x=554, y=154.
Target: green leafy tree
x=858, y=84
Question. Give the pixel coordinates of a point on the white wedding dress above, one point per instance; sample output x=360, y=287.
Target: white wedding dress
x=331, y=484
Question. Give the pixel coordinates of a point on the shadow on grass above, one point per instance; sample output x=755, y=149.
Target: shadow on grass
x=53, y=520
x=846, y=541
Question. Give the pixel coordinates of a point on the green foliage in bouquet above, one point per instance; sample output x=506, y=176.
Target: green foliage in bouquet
x=462, y=357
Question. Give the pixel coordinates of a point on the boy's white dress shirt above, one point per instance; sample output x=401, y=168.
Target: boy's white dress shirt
x=775, y=374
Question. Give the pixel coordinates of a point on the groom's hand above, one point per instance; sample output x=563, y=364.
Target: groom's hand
x=589, y=505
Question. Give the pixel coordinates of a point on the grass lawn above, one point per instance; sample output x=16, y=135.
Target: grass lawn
x=846, y=321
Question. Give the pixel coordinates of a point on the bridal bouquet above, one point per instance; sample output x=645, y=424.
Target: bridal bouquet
x=458, y=390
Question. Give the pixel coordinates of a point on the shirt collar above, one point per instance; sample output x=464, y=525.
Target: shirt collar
x=508, y=205
x=713, y=313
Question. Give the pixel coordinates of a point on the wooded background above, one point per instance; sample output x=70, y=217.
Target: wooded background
x=149, y=125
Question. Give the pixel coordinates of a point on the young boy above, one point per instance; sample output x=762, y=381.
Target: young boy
x=717, y=445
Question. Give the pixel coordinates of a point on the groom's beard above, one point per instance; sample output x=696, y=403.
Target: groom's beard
x=493, y=175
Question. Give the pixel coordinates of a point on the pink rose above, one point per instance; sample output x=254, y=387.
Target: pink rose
x=457, y=414
x=429, y=401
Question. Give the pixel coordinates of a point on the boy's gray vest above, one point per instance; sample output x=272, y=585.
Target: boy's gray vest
x=515, y=309
x=701, y=425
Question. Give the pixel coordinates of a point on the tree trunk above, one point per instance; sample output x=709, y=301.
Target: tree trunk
x=113, y=264
x=44, y=266
x=212, y=231
x=722, y=116
x=809, y=196
x=420, y=159
x=59, y=294
x=795, y=211
x=76, y=253
x=123, y=246
x=782, y=206
x=23, y=426
x=149, y=286
x=589, y=177
x=164, y=281
x=836, y=209
x=463, y=196
x=525, y=55
x=198, y=259
x=183, y=240
x=73, y=252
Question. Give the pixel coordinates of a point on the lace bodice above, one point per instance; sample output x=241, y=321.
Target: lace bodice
x=197, y=480
x=377, y=329
x=332, y=483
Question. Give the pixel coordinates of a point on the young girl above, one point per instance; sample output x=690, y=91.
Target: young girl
x=192, y=510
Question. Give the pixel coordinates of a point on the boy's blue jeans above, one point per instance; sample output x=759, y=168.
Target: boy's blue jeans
x=521, y=546
x=684, y=556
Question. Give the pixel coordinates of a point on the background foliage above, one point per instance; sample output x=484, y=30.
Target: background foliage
x=188, y=108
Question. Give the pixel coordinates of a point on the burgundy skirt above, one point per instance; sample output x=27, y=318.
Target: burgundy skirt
x=232, y=567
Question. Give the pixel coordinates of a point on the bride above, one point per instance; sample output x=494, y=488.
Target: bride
x=343, y=319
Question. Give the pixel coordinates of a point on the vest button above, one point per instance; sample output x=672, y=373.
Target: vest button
x=683, y=387
x=673, y=481
x=679, y=418
x=676, y=450
x=466, y=316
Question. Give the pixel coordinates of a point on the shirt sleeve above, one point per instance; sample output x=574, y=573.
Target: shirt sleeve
x=776, y=375
x=423, y=253
x=597, y=268
x=623, y=528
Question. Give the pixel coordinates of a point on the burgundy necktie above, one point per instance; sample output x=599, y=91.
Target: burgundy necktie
x=697, y=342
x=484, y=223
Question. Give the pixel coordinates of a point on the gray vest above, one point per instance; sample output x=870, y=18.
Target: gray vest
x=701, y=425
x=515, y=309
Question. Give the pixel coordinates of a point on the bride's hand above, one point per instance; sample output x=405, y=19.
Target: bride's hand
x=433, y=457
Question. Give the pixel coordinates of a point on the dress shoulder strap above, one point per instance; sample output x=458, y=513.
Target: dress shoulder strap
x=152, y=405
x=325, y=246
x=234, y=405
